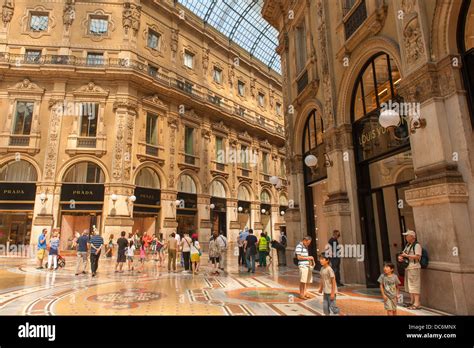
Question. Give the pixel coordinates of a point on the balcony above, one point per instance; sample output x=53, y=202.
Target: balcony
x=86, y=145
x=160, y=75
x=150, y=152
x=302, y=82
x=354, y=19
x=244, y=174
x=188, y=161
x=20, y=143
x=19, y=140
x=87, y=142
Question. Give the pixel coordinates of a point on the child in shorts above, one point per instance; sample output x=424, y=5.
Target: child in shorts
x=390, y=288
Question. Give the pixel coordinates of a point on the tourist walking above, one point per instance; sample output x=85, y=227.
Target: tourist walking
x=222, y=242
x=172, y=247
x=53, y=251
x=185, y=246
x=122, y=244
x=334, y=257
x=130, y=252
x=281, y=251
x=109, y=247
x=214, y=253
x=240, y=243
x=389, y=287
x=250, y=246
x=195, y=254
x=41, y=252
x=262, y=250
x=328, y=286
x=305, y=265
x=412, y=254
x=82, y=248
x=96, y=243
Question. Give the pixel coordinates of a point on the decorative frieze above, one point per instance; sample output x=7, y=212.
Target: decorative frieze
x=54, y=130
x=437, y=194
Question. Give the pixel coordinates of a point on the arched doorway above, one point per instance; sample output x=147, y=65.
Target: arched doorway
x=81, y=201
x=218, y=213
x=266, y=212
x=17, y=200
x=466, y=48
x=315, y=180
x=186, y=212
x=244, y=200
x=380, y=154
x=147, y=206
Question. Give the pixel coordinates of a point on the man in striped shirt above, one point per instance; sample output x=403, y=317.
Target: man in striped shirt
x=97, y=243
x=305, y=265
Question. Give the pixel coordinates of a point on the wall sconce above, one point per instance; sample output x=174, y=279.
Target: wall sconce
x=282, y=213
x=263, y=211
x=274, y=180
x=391, y=119
x=212, y=206
x=327, y=161
x=43, y=198
x=113, y=197
x=132, y=199
x=240, y=209
x=312, y=161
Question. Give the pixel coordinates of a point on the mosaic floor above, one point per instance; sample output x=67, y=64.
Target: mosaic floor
x=24, y=290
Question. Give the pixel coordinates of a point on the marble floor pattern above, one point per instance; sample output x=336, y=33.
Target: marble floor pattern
x=24, y=290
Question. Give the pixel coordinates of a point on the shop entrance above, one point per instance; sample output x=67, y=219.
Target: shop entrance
x=72, y=222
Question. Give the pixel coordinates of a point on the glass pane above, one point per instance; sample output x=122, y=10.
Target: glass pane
x=39, y=22
x=312, y=131
x=84, y=172
x=189, y=141
x=396, y=77
x=89, y=117
x=23, y=118
x=469, y=29
x=243, y=194
x=265, y=197
x=18, y=171
x=148, y=178
x=395, y=169
x=265, y=163
x=369, y=89
x=98, y=26
x=153, y=39
x=241, y=88
x=217, y=189
x=358, y=104
x=186, y=184
x=383, y=78
x=152, y=129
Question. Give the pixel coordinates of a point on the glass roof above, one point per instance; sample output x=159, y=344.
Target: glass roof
x=241, y=21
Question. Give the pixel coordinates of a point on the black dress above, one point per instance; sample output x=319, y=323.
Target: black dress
x=122, y=245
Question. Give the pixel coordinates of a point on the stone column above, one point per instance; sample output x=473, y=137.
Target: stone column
x=255, y=217
x=204, y=219
x=442, y=193
x=232, y=221
x=275, y=213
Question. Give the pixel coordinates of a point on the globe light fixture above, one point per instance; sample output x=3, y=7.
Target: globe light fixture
x=177, y=202
x=389, y=118
x=282, y=213
x=311, y=161
x=132, y=198
x=212, y=206
x=42, y=197
x=240, y=209
x=113, y=197
x=263, y=211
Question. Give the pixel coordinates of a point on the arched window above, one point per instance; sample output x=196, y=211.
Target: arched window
x=377, y=84
x=186, y=184
x=84, y=172
x=466, y=48
x=265, y=197
x=148, y=178
x=283, y=200
x=217, y=189
x=313, y=132
x=18, y=171
x=243, y=194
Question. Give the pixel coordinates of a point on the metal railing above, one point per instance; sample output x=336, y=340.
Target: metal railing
x=19, y=140
x=355, y=20
x=87, y=142
x=162, y=76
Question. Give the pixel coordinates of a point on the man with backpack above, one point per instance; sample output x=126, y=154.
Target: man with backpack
x=222, y=243
x=412, y=254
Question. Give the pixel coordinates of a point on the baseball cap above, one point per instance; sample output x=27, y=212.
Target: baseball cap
x=410, y=233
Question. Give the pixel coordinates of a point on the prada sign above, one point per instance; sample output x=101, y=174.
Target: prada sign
x=147, y=196
x=14, y=191
x=82, y=192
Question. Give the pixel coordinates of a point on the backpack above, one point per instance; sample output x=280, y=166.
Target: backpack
x=295, y=257
x=424, y=260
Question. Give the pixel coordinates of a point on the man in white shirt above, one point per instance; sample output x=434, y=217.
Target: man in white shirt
x=222, y=243
x=412, y=252
x=305, y=265
x=185, y=246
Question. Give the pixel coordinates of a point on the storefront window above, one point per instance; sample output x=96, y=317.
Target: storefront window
x=265, y=197
x=18, y=171
x=217, y=189
x=189, y=141
x=84, y=172
x=148, y=178
x=186, y=184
